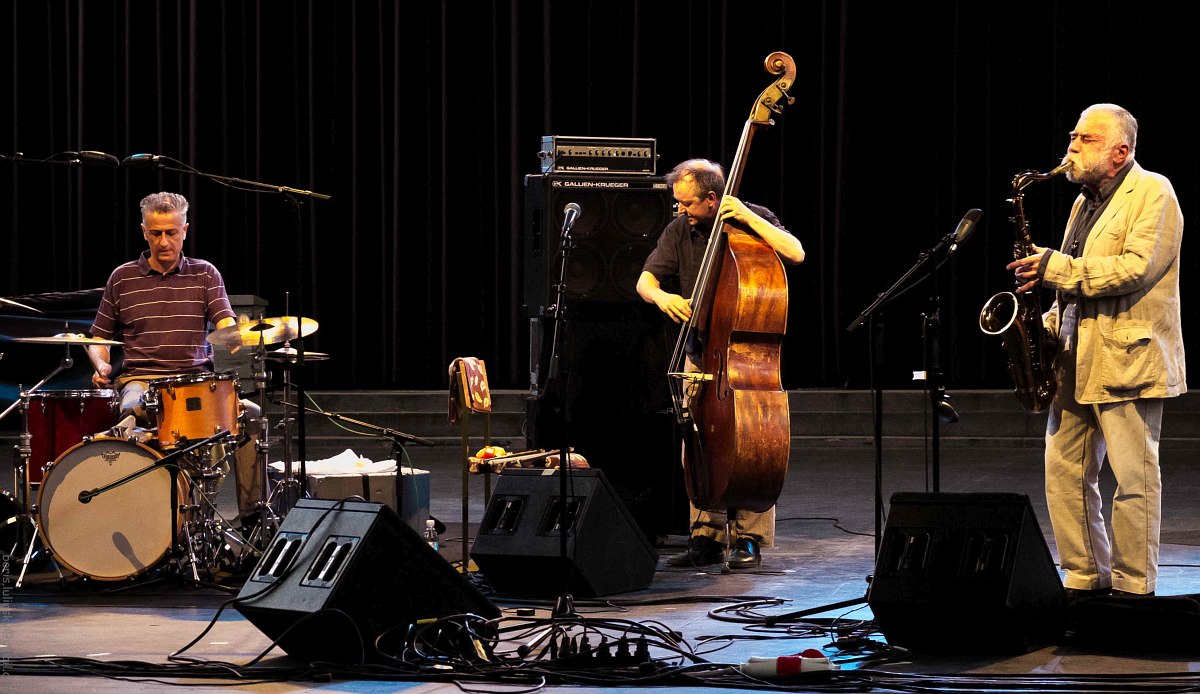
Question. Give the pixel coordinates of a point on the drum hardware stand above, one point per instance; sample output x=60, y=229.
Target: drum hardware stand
x=268, y=522
x=65, y=363
x=21, y=479
x=206, y=533
x=24, y=452
x=22, y=401
x=292, y=487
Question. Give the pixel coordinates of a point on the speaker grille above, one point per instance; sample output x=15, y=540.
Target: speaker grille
x=618, y=225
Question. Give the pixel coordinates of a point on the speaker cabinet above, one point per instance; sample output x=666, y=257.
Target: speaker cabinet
x=613, y=348
x=619, y=223
x=339, y=574
x=966, y=574
x=519, y=544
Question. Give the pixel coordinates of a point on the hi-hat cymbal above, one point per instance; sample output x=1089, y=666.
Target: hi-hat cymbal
x=292, y=355
x=66, y=339
x=269, y=331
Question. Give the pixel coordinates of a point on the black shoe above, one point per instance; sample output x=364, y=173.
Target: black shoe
x=1076, y=594
x=701, y=551
x=745, y=554
x=1126, y=594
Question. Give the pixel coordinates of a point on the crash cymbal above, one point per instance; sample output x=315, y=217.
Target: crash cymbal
x=66, y=339
x=270, y=331
x=18, y=304
x=291, y=355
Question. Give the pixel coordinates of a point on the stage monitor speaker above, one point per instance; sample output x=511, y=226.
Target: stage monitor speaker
x=619, y=222
x=965, y=573
x=340, y=573
x=518, y=547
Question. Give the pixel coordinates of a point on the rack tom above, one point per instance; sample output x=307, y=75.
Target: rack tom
x=194, y=407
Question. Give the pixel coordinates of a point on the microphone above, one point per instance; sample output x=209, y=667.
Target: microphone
x=571, y=212
x=86, y=496
x=94, y=157
x=139, y=160
x=965, y=227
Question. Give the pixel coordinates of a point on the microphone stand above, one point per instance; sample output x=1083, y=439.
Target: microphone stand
x=868, y=316
x=564, y=606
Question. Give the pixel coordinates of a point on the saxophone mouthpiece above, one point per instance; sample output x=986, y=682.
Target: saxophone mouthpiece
x=1023, y=179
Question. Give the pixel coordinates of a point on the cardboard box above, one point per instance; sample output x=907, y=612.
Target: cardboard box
x=379, y=487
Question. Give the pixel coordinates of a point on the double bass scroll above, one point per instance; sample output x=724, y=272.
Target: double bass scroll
x=724, y=373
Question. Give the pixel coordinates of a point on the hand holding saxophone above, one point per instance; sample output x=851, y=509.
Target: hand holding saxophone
x=1026, y=269
x=1016, y=316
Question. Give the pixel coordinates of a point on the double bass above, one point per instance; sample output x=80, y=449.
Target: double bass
x=724, y=377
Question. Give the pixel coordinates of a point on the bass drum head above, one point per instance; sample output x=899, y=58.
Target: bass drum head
x=119, y=533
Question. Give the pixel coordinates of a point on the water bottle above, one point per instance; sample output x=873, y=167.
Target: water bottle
x=431, y=534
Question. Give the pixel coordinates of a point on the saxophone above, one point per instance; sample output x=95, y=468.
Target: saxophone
x=1017, y=318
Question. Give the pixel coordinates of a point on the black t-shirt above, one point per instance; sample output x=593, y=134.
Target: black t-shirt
x=680, y=250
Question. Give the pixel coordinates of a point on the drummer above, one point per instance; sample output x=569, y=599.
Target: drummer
x=159, y=307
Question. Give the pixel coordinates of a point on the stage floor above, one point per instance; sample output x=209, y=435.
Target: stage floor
x=119, y=635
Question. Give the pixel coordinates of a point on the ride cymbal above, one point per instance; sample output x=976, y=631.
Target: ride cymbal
x=268, y=331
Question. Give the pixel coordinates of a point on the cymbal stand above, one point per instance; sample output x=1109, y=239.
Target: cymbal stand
x=22, y=485
x=21, y=469
x=268, y=522
x=66, y=363
x=287, y=492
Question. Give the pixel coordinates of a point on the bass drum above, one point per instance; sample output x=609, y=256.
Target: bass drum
x=121, y=532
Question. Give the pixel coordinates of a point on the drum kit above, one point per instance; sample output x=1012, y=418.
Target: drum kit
x=110, y=502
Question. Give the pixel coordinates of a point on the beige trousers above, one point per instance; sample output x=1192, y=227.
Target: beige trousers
x=1078, y=439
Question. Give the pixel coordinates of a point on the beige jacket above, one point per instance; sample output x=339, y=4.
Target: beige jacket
x=1130, y=344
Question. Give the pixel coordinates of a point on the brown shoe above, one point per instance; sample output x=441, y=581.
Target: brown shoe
x=701, y=551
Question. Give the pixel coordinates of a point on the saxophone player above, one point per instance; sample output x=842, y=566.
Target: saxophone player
x=1116, y=316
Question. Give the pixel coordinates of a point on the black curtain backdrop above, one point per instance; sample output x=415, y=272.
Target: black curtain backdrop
x=422, y=119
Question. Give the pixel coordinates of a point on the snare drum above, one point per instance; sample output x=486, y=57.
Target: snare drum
x=194, y=407
x=120, y=532
x=59, y=419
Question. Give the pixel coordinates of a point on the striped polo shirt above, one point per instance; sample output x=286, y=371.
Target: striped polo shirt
x=162, y=320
